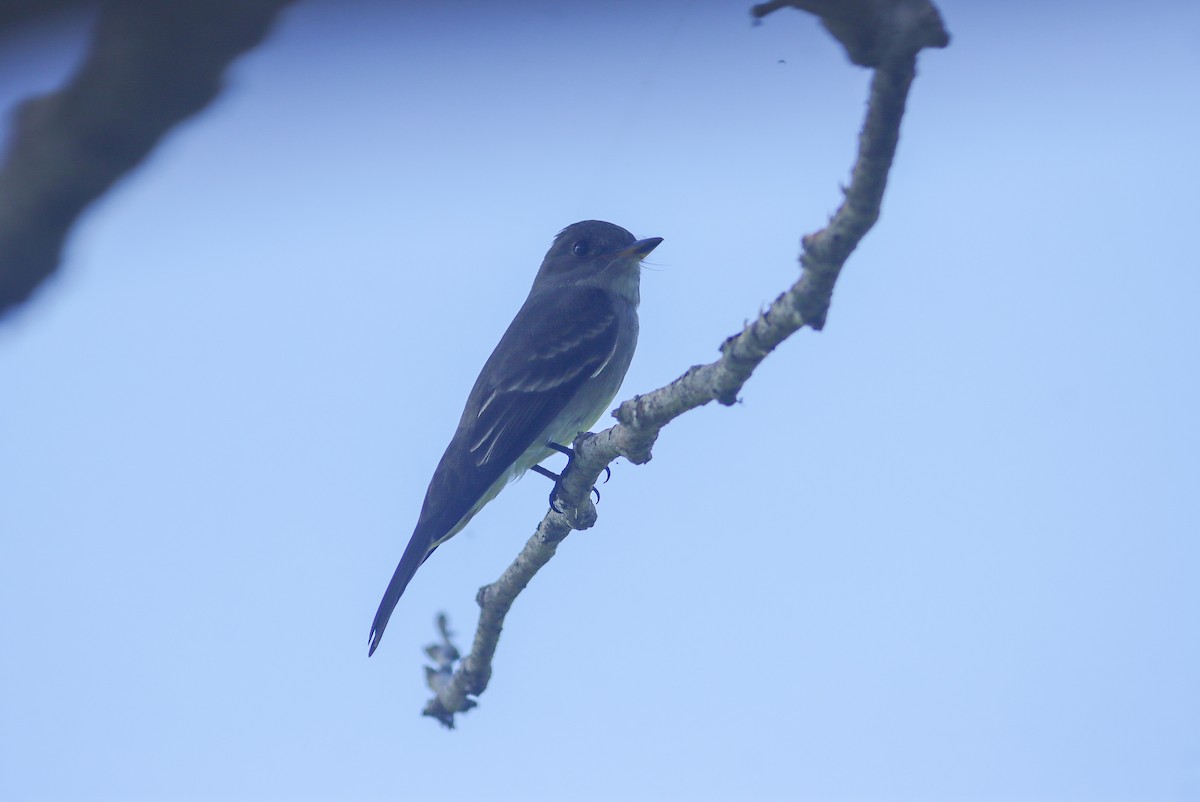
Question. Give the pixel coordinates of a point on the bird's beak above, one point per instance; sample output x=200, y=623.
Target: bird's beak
x=640, y=248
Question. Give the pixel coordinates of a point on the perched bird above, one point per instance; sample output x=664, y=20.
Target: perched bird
x=552, y=375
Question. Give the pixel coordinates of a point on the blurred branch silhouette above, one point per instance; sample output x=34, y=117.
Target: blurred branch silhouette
x=150, y=66
x=885, y=35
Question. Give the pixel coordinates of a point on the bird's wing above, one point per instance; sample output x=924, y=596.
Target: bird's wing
x=542, y=361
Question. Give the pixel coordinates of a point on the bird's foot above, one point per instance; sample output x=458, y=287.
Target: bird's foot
x=557, y=477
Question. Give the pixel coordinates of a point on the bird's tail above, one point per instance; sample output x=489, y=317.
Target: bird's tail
x=414, y=554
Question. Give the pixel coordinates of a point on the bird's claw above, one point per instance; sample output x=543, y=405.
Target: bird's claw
x=557, y=477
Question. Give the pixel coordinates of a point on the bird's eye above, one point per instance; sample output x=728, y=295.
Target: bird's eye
x=580, y=248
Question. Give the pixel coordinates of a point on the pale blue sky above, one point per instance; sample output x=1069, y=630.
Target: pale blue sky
x=945, y=550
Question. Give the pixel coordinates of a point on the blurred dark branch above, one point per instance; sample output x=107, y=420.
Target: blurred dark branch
x=884, y=34
x=151, y=65
x=14, y=13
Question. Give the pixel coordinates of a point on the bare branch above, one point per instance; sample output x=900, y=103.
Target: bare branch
x=895, y=32
x=495, y=600
x=151, y=65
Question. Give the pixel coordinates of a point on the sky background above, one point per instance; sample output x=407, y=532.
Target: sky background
x=947, y=549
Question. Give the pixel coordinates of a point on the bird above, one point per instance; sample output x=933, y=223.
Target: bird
x=552, y=375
